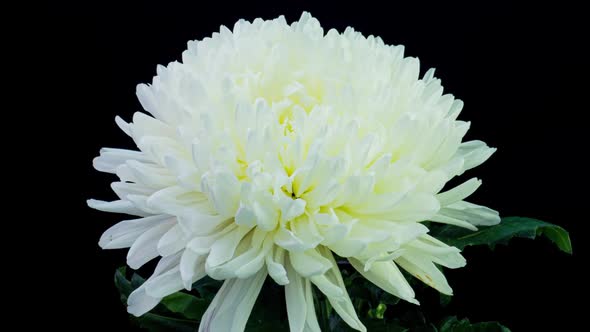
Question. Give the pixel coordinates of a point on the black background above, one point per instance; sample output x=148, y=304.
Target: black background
x=511, y=66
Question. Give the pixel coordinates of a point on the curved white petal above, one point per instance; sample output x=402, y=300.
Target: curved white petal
x=437, y=251
x=173, y=241
x=340, y=301
x=223, y=248
x=275, y=263
x=309, y=263
x=124, y=233
x=124, y=126
x=474, y=153
x=300, y=304
x=443, y=219
x=123, y=189
x=120, y=206
x=471, y=213
x=110, y=159
x=422, y=268
x=145, y=248
x=231, y=307
x=192, y=268
x=140, y=303
x=459, y=193
x=164, y=284
x=150, y=175
x=388, y=277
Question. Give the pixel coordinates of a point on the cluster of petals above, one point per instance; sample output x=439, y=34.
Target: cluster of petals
x=279, y=150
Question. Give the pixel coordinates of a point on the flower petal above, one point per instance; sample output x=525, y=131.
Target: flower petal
x=249, y=257
x=309, y=263
x=111, y=158
x=145, y=248
x=223, y=249
x=123, y=234
x=422, y=268
x=474, y=153
x=192, y=268
x=123, y=189
x=471, y=213
x=437, y=251
x=300, y=306
x=275, y=260
x=231, y=307
x=459, y=193
x=120, y=206
x=139, y=302
x=340, y=301
x=164, y=284
x=173, y=241
x=388, y=277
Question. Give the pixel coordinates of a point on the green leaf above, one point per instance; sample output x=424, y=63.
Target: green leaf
x=187, y=305
x=207, y=287
x=509, y=228
x=452, y=324
x=122, y=284
x=136, y=281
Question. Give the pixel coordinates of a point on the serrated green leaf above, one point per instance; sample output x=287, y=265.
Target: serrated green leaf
x=509, y=228
x=452, y=324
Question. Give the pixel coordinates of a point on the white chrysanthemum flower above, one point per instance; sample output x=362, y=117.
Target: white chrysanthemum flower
x=274, y=146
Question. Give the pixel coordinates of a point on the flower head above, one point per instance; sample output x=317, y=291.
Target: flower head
x=271, y=148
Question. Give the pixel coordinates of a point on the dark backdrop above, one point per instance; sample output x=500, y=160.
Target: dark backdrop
x=510, y=65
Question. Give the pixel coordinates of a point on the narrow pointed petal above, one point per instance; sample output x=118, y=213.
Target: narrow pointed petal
x=439, y=252
x=471, y=213
x=388, y=277
x=145, y=248
x=223, y=249
x=339, y=300
x=231, y=307
x=124, y=233
x=300, y=307
x=140, y=303
x=474, y=153
x=192, y=268
x=172, y=241
x=423, y=269
x=459, y=193
x=443, y=219
x=275, y=264
x=309, y=263
x=120, y=206
x=164, y=284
